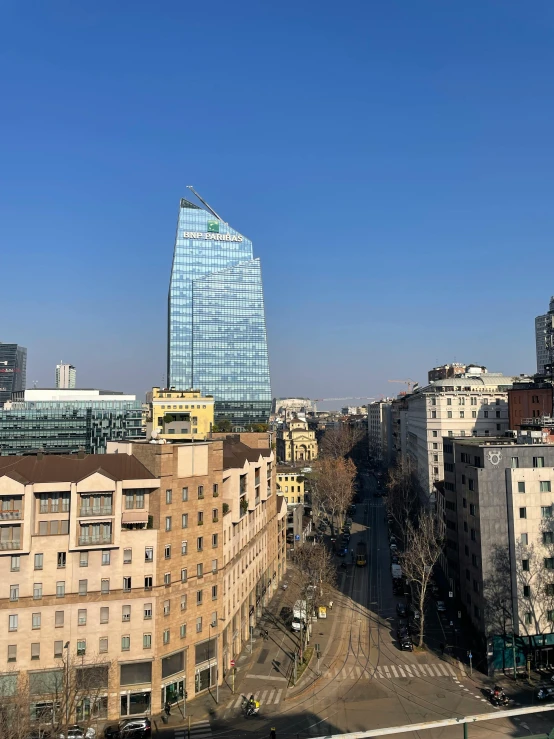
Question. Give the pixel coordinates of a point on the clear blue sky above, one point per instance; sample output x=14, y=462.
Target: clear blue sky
x=391, y=161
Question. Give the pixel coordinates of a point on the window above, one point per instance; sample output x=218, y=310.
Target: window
x=62, y=556
x=528, y=617
x=474, y=560
x=83, y=559
x=215, y=515
x=214, y=566
x=474, y=414
x=36, y=620
x=127, y=556
x=435, y=434
x=106, y=557
x=12, y=653
x=82, y=616
x=549, y=616
x=35, y=651
x=524, y=539
x=466, y=550
x=545, y=486
x=103, y=644
x=83, y=587
x=523, y=512
x=59, y=619
x=104, y=614
x=37, y=590
x=199, y=544
x=546, y=511
x=497, y=414
x=433, y=414
x=185, y=521
x=214, y=592
x=60, y=589
x=548, y=563
x=105, y=586
x=184, y=547
x=462, y=414
x=486, y=414
x=435, y=445
x=14, y=563
x=167, y=579
x=184, y=602
x=215, y=490
x=549, y=589
x=472, y=509
x=168, y=523
x=199, y=597
x=149, y=554
x=526, y=591
x=199, y=624
x=12, y=623
x=464, y=502
x=167, y=551
x=473, y=537
x=125, y=613
x=81, y=647
x=433, y=401
x=168, y=496
x=521, y=487
x=183, y=631
x=525, y=565
x=475, y=586
x=147, y=611
x=476, y=612
x=214, y=541
x=125, y=643
x=468, y=575
x=449, y=414
x=548, y=537
x=127, y=583
x=148, y=582
x=167, y=606
x=146, y=641
x=471, y=484
x=515, y=462
x=449, y=401
x=39, y=560
x=200, y=492
x=185, y=494
x=200, y=518
x=465, y=526
x=538, y=461
x=166, y=636
x=463, y=478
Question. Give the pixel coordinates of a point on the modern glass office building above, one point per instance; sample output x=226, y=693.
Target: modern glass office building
x=217, y=340
x=13, y=370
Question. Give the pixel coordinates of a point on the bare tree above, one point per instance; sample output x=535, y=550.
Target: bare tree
x=404, y=497
x=423, y=549
x=333, y=486
x=340, y=441
x=14, y=706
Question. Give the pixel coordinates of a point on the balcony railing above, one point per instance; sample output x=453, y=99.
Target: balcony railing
x=94, y=540
x=10, y=545
x=104, y=510
x=10, y=515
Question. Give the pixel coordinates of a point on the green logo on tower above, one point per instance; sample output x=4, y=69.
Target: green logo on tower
x=213, y=227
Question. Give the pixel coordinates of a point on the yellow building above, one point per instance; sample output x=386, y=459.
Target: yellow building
x=179, y=415
x=290, y=484
x=295, y=442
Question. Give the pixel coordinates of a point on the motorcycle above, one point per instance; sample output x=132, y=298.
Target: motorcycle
x=249, y=708
x=498, y=697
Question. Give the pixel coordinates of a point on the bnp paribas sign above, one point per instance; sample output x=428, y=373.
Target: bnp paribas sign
x=212, y=234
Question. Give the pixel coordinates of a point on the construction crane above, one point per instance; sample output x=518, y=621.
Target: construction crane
x=323, y=400
x=409, y=382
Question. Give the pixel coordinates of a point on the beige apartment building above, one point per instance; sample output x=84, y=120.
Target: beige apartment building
x=153, y=562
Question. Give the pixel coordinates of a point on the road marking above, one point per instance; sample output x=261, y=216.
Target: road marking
x=408, y=670
x=443, y=669
x=436, y=668
x=270, y=696
x=450, y=670
x=401, y=671
x=238, y=702
x=278, y=697
x=379, y=672
x=262, y=699
x=387, y=673
x=394, y=671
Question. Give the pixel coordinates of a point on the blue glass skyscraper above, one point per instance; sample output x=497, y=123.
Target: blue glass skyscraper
x=217, y=340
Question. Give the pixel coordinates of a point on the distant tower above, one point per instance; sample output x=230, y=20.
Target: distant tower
x=13, y=370
x=544, y=336
x=66, y=375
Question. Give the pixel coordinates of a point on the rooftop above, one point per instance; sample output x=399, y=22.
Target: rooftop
x=72, y=468
x=470, y=382
x=236, y=453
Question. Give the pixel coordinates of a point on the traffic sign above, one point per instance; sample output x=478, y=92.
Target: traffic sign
x=297, y=537
x=232, y=663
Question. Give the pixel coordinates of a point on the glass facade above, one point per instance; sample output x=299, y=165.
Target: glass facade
x=67, y=427
x=217, y=339
x=13, y=370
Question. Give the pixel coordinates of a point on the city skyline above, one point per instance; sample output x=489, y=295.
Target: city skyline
x=425, y=143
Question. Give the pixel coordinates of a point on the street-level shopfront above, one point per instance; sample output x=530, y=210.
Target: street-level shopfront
x=205, y=665
x=135, y=680
x=173, y=677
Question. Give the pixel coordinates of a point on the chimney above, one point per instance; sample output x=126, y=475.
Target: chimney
x=81, y=454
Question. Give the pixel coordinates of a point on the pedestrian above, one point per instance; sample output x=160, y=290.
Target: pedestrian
x=330, y=605
x=167, y=708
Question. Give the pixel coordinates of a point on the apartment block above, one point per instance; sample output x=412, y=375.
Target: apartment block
x=529, y=400
x=154, y=561
x=179, y=415
x=291, y=484
x=380, y=429
x=500, y=528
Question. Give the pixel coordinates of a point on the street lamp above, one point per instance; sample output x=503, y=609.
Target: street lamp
x=213, y=624
x=66, y=691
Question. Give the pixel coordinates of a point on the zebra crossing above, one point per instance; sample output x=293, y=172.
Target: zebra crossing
x=389, y=672
x=264, y=697
x=199, y=730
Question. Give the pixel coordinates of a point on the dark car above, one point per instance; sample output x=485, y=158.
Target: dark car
x=134, y=728
x=401, y=610
x=286, y=614
x=342, y=551
x=406, y=644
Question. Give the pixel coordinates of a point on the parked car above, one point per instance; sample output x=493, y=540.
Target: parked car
x=393, y=548
x=401, y=610
x=286, y=614
x=404, y=640
x=395, y=559
x=545, y=692
x=441, y=606
x=414, y=613
x=77, y=732
x=132, y=728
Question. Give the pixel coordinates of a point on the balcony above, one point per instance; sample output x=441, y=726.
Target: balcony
x=94, y=540
x=10, y=515
x=105, y=510
x=10, y=545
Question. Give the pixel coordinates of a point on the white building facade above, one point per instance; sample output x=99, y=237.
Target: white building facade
x=66, y=375
x=379, y=424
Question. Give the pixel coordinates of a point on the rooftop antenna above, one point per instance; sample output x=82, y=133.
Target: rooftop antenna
x=212, y=211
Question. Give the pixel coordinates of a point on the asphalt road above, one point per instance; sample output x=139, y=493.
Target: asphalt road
x=372, y=684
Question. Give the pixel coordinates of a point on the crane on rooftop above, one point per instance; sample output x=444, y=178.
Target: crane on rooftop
x=409, y=382
x=324, y=400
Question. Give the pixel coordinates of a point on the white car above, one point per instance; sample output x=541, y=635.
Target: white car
x=77, y=732
x=441, y=606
